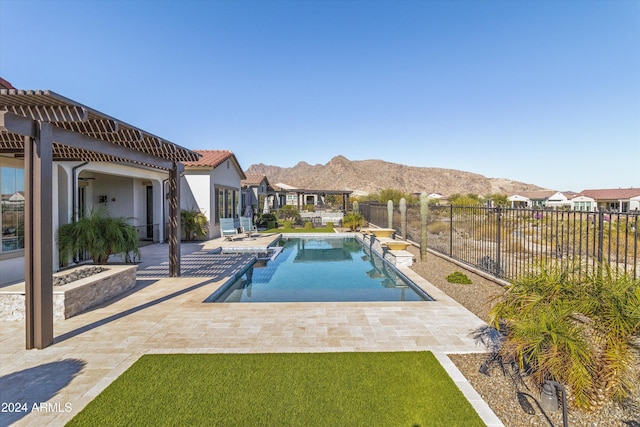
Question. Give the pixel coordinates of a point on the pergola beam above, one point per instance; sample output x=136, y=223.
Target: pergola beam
x=78, y=140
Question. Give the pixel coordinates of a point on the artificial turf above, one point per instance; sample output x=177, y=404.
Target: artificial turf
x=282, y=389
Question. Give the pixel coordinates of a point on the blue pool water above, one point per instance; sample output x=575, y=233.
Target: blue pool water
x=321, y=269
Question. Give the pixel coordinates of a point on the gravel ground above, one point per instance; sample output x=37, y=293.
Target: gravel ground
x=505, y=395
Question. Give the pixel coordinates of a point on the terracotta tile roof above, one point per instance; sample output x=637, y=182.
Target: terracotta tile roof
x=253, y=179
x=611, y=194
x=5, y=84
x=211, y=158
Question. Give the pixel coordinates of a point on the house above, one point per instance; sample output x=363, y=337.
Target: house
x=535, y=199
x=66, y=158
x=615, y=199
x=213, y=186
x=583, y=203
x=262, y=191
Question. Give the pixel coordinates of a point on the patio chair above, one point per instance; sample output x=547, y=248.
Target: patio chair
x=246, y=223
x=228, y=228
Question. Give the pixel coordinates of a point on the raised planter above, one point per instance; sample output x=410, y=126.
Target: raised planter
x=379, y=232
x=74, y=297
x=396, y=245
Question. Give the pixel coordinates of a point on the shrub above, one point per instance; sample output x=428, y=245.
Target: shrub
x=353, y=220
x=289, y=213
x=194, y=224
x=288, y=225
x=438, y=227
x=100, y=234
x=458, y=277
x=579, y=332
x=308, y=225
x=330, y=225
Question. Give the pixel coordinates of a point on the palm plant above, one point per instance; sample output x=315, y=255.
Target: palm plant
x=100, y=234
x=194, y=223
x=353, y=220
x=579, y=332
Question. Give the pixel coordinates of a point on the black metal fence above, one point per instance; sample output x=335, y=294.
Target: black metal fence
x=511, y=242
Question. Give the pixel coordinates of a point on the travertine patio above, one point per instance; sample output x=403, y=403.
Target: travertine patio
x=166, y=315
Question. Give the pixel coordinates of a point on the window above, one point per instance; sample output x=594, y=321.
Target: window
x=12, y=208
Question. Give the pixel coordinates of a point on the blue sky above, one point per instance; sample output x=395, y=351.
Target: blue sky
x=544, y=92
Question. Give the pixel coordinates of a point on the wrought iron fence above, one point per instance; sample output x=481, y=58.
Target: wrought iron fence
x=510, y=242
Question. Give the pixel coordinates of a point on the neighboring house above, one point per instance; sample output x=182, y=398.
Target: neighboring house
x=214, y=184
x=583, y=203
x=543, y=199
x=262, y=191
x=518, y=201
x=615, y=200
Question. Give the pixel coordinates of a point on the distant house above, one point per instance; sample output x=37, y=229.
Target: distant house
x=262, y=191
x=214, y=184
x=615, y=200
x=537, y=199
x=583, y=203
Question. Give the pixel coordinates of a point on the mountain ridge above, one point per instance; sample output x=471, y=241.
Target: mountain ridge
x=371, y=176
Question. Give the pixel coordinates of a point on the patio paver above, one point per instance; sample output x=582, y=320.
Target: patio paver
x=167, y=315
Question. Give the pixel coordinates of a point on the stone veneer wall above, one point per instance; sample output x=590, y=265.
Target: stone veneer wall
x=74, y=297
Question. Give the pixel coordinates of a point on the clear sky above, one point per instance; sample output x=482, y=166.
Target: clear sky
x=544, y=92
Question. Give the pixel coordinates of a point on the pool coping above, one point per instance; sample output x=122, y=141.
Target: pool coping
x=166, y=316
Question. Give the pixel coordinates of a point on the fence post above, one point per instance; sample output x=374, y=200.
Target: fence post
x=600, y=239
x=451, y=231
x=498, y=240
x=390, y=214
x=424, y=209
x=403, y=218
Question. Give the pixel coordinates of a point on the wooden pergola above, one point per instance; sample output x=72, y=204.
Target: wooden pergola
x=43, y=127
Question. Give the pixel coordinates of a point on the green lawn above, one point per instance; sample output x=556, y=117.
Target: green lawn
x=283, y=389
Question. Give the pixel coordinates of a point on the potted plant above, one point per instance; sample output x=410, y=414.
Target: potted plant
x=100, y=234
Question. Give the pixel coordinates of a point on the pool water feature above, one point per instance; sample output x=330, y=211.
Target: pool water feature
x=320, y=269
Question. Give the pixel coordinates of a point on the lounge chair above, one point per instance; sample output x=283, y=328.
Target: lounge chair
x=246, y=223
x=228, y=228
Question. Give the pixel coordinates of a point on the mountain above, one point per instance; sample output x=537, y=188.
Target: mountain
x=371, y=176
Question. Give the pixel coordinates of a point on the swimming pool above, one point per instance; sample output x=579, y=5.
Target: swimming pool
x=320, y=269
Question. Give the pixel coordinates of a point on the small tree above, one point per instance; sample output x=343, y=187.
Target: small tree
x=353, y=220
x=289, y=213
x=100, y=234
x=194, y=224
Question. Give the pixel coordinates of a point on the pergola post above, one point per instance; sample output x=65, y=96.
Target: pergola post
x=38, y=157
x=174, y=219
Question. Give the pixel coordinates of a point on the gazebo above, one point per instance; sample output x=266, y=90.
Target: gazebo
x=41, y=127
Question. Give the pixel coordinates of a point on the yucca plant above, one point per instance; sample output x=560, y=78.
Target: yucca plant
x=194, y=223
x=577, y=331
x=100, y=234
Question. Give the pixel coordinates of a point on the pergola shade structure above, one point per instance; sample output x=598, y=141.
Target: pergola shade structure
x=43, y=127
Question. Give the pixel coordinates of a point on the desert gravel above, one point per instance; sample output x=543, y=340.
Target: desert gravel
x=507, y=396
